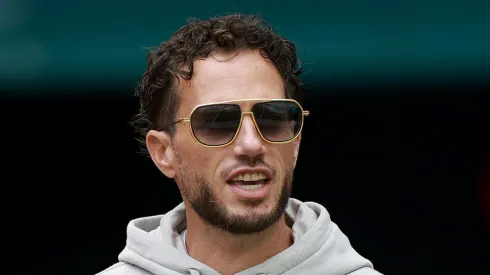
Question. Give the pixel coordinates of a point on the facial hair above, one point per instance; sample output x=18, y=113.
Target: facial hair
x=204, y=202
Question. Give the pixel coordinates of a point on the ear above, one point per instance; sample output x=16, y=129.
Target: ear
x=161, y=152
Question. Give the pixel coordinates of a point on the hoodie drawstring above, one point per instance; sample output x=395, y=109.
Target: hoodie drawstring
x=194, y=271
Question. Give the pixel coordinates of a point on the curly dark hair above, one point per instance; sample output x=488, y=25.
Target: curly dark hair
x=159, y=100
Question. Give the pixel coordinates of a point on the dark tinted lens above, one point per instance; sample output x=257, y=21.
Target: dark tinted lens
x=278, y=120
x=216, y=124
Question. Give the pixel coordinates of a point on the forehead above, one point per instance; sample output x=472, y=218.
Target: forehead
x=231, y=76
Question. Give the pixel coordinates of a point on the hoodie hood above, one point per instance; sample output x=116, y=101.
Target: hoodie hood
x=154, y=245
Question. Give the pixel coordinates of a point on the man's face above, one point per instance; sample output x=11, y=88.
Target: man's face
x=204, y=174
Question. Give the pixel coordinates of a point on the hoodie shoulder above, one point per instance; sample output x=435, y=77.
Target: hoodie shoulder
x=365, y=271
x=123, y=269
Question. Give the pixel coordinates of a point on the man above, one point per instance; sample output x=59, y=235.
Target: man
x=220, y=113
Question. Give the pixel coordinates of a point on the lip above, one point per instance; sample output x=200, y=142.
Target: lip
x=252, y=194
x=265, y=171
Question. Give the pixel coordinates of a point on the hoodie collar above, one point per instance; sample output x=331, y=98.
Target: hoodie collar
x=154, y=244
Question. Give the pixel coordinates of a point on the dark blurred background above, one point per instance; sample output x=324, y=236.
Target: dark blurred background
x=397, y=147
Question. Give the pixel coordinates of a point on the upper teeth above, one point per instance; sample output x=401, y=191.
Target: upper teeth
x=250, y=177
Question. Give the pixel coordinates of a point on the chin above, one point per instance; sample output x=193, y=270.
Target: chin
x=251, y=207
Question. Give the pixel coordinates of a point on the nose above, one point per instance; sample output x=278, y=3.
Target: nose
x=248, y=142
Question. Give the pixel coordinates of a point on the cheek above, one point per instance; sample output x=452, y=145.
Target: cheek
x=282, y=158
x=288, y=154
x=186, y=146
x=198, y=159
x=192, y=156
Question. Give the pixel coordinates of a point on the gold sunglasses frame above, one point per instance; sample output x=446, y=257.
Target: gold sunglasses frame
x=259, y=100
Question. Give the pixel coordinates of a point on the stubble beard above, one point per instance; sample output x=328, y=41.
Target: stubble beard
x=212, y=211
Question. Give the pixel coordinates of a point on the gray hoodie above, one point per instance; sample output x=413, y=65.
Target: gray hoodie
x=154, y=246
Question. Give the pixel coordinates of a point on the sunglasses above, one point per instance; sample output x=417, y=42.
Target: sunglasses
x=218, y=124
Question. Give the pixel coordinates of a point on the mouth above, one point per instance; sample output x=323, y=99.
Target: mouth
x=250, y=184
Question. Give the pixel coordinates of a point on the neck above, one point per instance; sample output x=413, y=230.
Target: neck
x=229, y=253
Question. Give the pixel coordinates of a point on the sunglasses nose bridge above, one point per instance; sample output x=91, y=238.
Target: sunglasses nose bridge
x=254, y=123
x=245, y=114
